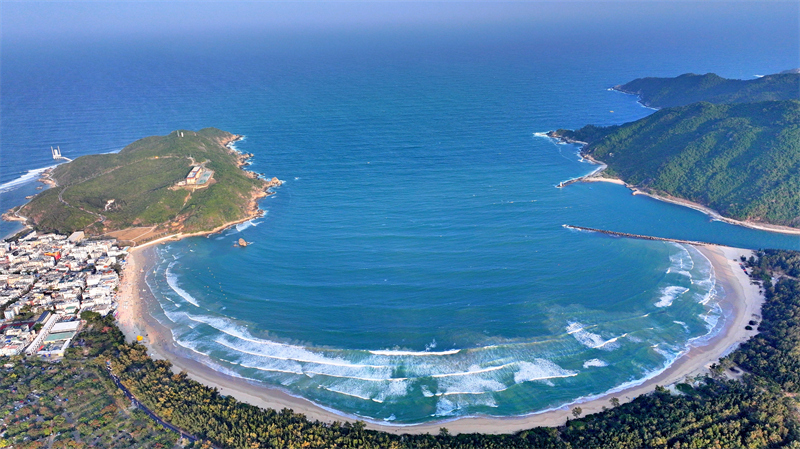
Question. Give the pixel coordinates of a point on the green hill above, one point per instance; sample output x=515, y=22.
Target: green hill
x=138, y=187
x=740, y=159
x=691, y=88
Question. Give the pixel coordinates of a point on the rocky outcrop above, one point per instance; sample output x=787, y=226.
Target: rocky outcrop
x=274, y=182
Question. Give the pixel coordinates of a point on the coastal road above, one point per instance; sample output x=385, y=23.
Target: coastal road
x=142, y=407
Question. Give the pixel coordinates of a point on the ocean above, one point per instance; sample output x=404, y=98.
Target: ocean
x=414, y=265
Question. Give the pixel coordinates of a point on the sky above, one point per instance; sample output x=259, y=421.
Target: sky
x=177, y=28
x=32, y=21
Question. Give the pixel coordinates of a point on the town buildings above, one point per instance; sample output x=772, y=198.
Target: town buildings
x=46, y=281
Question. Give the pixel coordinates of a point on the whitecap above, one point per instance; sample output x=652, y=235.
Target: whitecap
x=445, y=407
x=590, y=339
x=414, y=353
x=594, y=363
x=541, y=369
x=669, y=294
x=684, y=325
x=475, y=384
x=172, y=281
x=242, y=226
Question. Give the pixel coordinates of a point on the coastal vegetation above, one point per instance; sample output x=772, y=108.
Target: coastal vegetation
x=727, y=149
x=691, y=88
x=775, y=352
x=72, y=404
x=139, y=187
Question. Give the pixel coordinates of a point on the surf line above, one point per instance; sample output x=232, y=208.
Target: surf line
x=638, y=236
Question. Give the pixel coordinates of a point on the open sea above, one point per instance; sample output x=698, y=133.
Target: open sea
x=414, y=265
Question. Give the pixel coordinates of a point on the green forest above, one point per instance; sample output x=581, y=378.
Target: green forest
x=72, y=403
x=691, y=88
x=141, y=180
x=742, y=159
x=731, y=145
x=758, y=411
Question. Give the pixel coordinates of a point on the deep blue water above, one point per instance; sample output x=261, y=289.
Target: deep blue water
x=414, y=264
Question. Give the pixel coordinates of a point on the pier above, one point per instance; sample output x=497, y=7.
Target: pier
x=57, y=154
x=563, y=184
x=638, y=236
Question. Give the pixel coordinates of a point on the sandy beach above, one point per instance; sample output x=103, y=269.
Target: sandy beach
x=741, y=303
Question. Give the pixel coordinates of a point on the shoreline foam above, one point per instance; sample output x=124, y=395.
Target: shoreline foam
x=742, y=301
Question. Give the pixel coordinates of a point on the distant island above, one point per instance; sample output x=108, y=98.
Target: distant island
x=186, y=182
x=734, y=148
x=691, y=88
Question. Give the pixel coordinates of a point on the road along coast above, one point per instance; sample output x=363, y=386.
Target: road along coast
x=741, y=303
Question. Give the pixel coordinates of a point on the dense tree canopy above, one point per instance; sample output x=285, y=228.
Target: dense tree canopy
x=690, y=88
x=742, y=160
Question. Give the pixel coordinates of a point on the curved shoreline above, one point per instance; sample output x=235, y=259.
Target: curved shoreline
x=741, y=302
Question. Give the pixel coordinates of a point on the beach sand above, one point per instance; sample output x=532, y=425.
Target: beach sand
x=741, y=303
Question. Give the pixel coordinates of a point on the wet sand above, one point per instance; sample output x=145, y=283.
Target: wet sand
x=741, y=303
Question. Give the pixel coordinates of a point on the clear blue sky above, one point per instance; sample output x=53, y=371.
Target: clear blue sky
x=33, y=20
x=89, y=26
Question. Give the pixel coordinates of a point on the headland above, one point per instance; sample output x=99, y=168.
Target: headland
x=185, y=183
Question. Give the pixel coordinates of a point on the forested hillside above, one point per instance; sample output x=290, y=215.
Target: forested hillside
x=741, y=159
x=690, y=88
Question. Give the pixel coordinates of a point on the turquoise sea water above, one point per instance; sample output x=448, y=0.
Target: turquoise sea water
x=414, y=265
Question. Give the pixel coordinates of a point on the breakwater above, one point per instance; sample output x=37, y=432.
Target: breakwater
x=638, y=236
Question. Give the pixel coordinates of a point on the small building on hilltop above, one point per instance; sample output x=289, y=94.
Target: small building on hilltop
x=193, y=175
x=199, y=176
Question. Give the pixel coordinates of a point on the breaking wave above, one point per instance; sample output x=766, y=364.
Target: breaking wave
x=30, y=175
x=172, y=281
x=669, y=294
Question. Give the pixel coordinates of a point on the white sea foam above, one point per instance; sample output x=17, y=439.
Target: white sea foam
x=540, y=369
x=27, y=177
x=232, y=145
x=680, y=262
x=242, y=226
x=450, y=405
x=669, y=294
x=445, y=407
x=414, y=353
x=365, y=391
x=684, y=325
x=670, y=356
x=261, y=368
x=346, y=393
x=192, y=346
x=591, y=340
x=473, y=370
x=475, y=384
x=711, y=318
x=172, y=281
x=594, y=363
x=316, y=360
